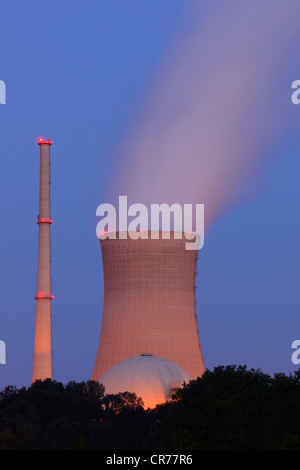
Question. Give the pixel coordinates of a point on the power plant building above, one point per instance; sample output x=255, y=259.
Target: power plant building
x=152, y=378
x=149, y=306
x=149, y=340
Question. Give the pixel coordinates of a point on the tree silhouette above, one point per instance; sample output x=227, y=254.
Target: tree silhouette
x=227, y=408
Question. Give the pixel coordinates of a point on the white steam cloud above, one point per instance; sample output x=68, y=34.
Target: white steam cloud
x=220, y=102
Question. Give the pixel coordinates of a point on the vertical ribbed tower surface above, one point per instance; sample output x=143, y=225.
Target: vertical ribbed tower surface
x=149, y=303
x=42, y=360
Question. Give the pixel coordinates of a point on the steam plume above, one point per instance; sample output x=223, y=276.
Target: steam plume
x=216, y=107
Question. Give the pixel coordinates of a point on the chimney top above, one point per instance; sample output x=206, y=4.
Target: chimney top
x=42, y=141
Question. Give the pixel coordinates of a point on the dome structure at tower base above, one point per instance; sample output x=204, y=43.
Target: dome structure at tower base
x=152, y=378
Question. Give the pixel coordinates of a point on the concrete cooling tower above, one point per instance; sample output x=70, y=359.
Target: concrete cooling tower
x=149, y=303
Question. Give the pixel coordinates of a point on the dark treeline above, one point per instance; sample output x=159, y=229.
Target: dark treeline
x=228, y=408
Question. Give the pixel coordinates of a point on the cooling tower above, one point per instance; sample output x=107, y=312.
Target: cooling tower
x=42, y=359
x=149, y=303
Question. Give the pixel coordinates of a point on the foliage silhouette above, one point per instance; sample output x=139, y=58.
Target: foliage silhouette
x=227, y=408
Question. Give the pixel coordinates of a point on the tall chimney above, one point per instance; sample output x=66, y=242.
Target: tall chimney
x=42, y=360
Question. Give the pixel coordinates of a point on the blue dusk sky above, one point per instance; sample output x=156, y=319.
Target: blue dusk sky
x=80, y=73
